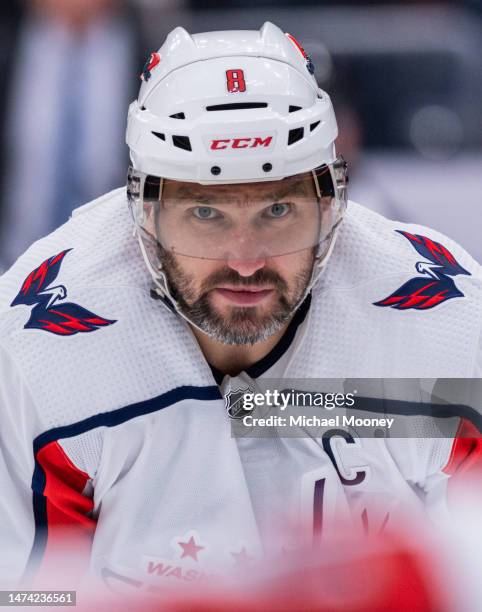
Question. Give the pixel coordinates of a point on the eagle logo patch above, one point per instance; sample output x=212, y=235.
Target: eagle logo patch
x=50, y=313
x=434, y=285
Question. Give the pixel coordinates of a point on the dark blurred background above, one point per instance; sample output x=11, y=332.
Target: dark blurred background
x=405, y=79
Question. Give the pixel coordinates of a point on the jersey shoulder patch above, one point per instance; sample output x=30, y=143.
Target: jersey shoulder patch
x=50, y=312
x=434, y=283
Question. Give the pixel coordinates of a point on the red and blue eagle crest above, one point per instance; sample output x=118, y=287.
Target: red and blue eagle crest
x=49, y=312
x=435, y=286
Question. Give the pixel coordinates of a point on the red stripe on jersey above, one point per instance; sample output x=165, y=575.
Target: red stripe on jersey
x=69, y=528
x=466, y=455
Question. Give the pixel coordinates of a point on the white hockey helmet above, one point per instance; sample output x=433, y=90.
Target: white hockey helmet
x=230, y=107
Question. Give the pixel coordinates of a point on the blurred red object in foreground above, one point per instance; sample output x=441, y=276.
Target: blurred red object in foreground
x=363, y=574
x=392, y=578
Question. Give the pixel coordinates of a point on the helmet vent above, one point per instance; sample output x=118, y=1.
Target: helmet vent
x=178, y=116
x=293, y=109
x=313, y=126
x=159, y=135
x=236, y=106
x=182, y=142
x=151, y=187
x=295, y=135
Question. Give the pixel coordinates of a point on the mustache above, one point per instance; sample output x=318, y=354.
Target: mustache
x=229, y=276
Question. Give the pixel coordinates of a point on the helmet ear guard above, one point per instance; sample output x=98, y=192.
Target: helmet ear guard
x=339, y=179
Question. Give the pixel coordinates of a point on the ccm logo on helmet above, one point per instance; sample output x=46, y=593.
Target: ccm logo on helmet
x=249, y=142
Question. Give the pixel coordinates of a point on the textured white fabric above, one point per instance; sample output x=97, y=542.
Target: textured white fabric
x=172, y=471
x=18, y=427
x=478, y=361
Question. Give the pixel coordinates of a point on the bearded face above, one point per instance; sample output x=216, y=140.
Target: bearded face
x=238, y=302
x=237, y=258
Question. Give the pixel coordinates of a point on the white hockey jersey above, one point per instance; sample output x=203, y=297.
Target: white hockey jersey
x=114, y=427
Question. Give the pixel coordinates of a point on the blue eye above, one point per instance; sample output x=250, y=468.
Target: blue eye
x=278, y=210
x=205, y=212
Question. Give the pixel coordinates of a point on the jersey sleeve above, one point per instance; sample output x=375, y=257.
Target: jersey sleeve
x=460, y=474
x=465, y=460
x=46, y=505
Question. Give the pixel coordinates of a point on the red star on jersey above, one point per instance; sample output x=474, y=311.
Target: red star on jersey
x=241, y=557
x=190, y=549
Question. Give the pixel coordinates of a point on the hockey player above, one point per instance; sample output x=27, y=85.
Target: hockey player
x=113, y=421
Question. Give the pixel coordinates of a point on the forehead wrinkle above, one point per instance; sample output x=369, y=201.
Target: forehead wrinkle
x=221, y=191
x=299, y=189
x=186, y=191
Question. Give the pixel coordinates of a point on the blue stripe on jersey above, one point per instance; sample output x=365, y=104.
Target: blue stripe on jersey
x=121, y=415
x=104, y=419
x=40, y=537
x=387, y=406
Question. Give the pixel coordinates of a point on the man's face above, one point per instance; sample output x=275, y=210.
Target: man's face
x=246, y=296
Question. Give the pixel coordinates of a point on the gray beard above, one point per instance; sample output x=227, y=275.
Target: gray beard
x=242, y=326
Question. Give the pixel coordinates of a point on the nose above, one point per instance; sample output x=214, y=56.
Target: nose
x=246, y=267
